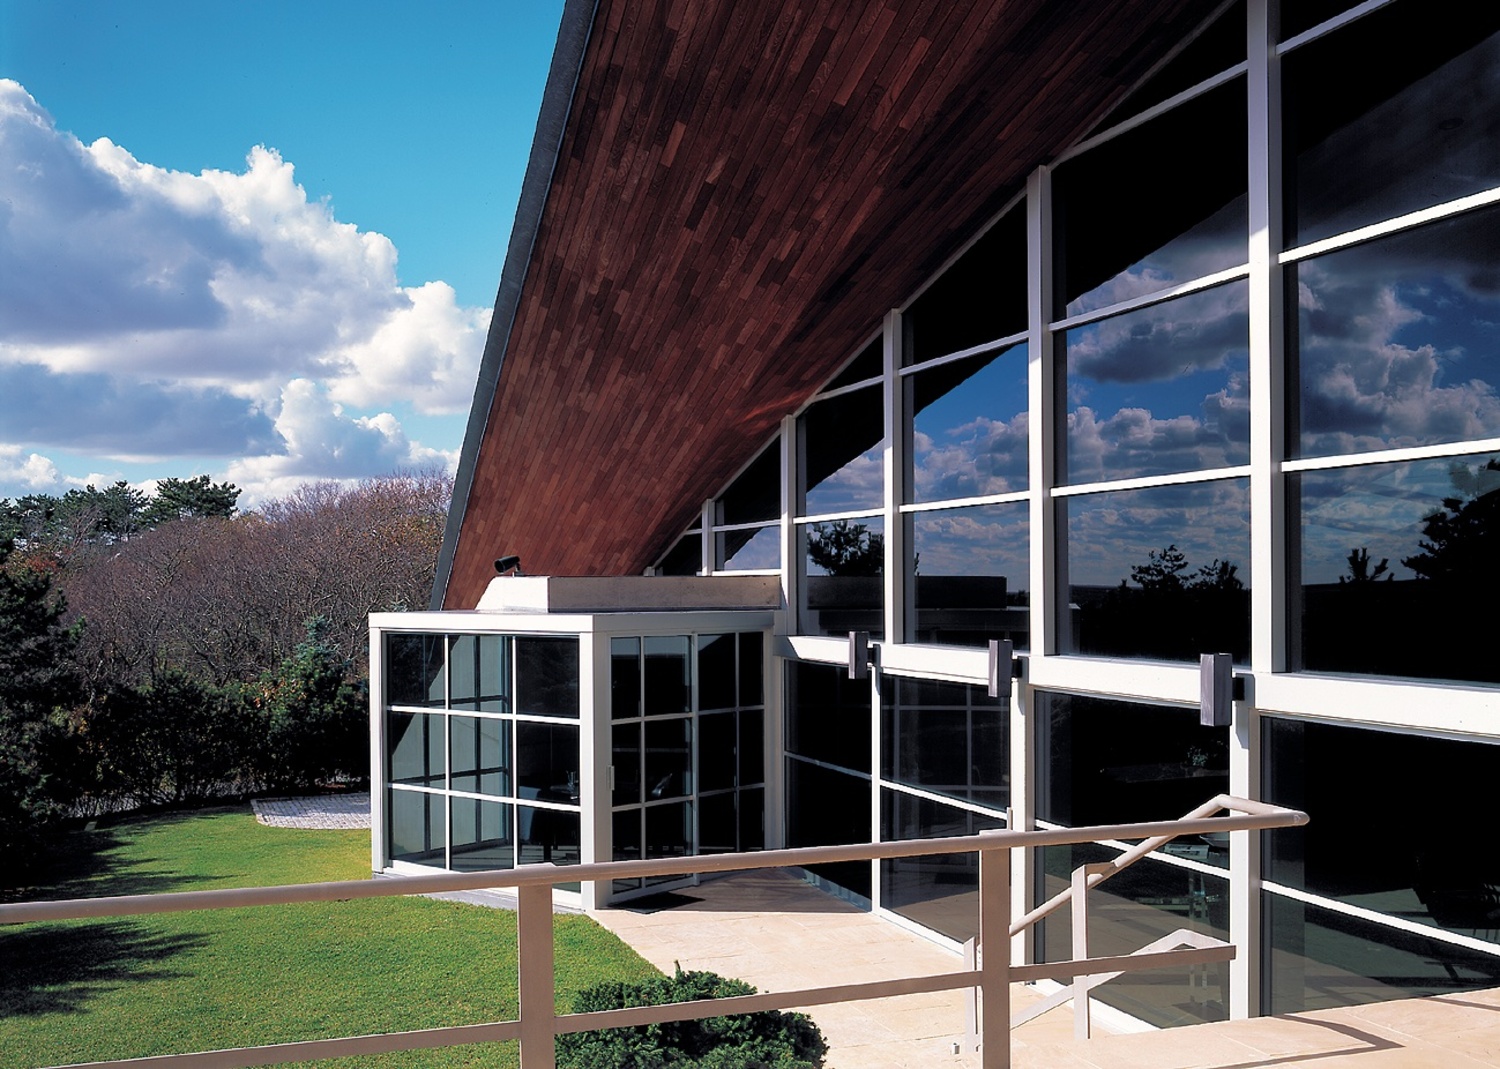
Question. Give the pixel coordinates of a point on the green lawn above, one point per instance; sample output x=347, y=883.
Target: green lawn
x=87, y=991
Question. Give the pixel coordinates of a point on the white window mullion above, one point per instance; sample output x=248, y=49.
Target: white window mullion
x=898, y=579
x=1268, y=516
x=1048, y=575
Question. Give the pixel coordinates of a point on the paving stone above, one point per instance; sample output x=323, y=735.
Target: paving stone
x=326, y=811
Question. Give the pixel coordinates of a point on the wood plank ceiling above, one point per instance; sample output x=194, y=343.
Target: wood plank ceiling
x=742, y=191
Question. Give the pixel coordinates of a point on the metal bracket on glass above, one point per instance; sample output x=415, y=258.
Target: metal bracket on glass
x=1218, y=689
x=859, y=655
x=1004, y=666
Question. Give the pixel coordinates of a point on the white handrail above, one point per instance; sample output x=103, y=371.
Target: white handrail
x=538, y=1024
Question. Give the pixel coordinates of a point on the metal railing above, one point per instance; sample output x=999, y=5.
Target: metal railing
x=538, y=1023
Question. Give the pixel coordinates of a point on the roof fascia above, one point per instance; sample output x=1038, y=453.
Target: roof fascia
x=557, y=102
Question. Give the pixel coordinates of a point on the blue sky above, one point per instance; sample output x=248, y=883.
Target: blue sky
x=259, y=240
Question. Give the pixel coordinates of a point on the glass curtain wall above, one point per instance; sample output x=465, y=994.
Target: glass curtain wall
x=1222, y=378
x=482, y=750
x=687, y=722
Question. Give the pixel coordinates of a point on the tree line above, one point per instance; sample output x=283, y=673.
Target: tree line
x=166, y=648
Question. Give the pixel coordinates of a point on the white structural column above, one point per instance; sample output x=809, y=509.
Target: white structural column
x=596, y=769
x=1048, y=583
x=898, y=578
x=1268, y=515
x=1048, y=576
x=790, y=566
x=378, y=809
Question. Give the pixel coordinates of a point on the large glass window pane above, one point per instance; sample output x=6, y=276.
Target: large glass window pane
x=669, y=674
x=547, y=761
x=482, y=837
x=415, y=747
x=416, y=827
x=828, y=808
x=752, y=549
x=828, y=715
x=718, y=824
x=752, y=746
x=547, y=676
x=669, y=758
x=1161, y=389
x=752, y=819
x=479, y=749
x=1161, y=573
x=843, y=590
x=716, y=685
x=869, y=364
x=625, y=757
x=969, y=420
x=717, y=764
x=1104, y=761
x=1143, y=903
x=624, y=678
x=937, y=891
x=479, y=673
x=1154, y=207
x=980, y=298
x=1320, y=959
x=1439, y=872
x=1398, y=568
x=756, y=494
x=685, y=557
x=669, y=833
x=1395, y=340
x=1369, y=141
x=947, y=738
x=842, y=443
x=973, y=571
x=626, y=829
x=752, y=667
x=415, y=670
x=548, y=835
x=1219, y=47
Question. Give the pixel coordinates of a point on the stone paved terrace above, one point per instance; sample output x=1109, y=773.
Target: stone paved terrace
x=320, y=811
x=779, y=934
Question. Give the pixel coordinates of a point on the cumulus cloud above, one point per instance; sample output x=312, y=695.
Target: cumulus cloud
x=1397, y=341
x=980, y=457
x=1195, y=333
x=323, y=442
x=33, y=472
x=146, y=312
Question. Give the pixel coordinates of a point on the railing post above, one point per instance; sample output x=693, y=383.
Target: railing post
x=994, y=957
x=535, y=979
x=1082, y=1016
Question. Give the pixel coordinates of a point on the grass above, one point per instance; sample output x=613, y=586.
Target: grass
x=95, y=990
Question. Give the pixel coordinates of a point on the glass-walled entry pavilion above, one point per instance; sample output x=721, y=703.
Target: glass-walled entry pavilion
x=505, y=738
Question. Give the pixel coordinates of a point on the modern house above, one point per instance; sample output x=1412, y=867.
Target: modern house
x=1122, y=332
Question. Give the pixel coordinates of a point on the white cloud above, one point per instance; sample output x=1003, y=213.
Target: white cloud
x=323, y=442
x=146, y=312
x=32, y=472
x=426, y=354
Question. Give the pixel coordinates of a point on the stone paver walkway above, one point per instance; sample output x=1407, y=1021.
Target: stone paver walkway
x=323, y=811
x=780, y=934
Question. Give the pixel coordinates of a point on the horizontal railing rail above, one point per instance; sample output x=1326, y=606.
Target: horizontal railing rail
x=538, y=1024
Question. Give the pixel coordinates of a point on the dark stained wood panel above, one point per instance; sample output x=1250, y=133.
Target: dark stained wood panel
x=742, y=192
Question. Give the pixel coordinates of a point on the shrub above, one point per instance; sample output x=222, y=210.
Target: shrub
x=313, y=718
x=176, y=740
x=767, y=1040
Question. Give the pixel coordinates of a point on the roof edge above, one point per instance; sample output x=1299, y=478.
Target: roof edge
x=573, y=34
